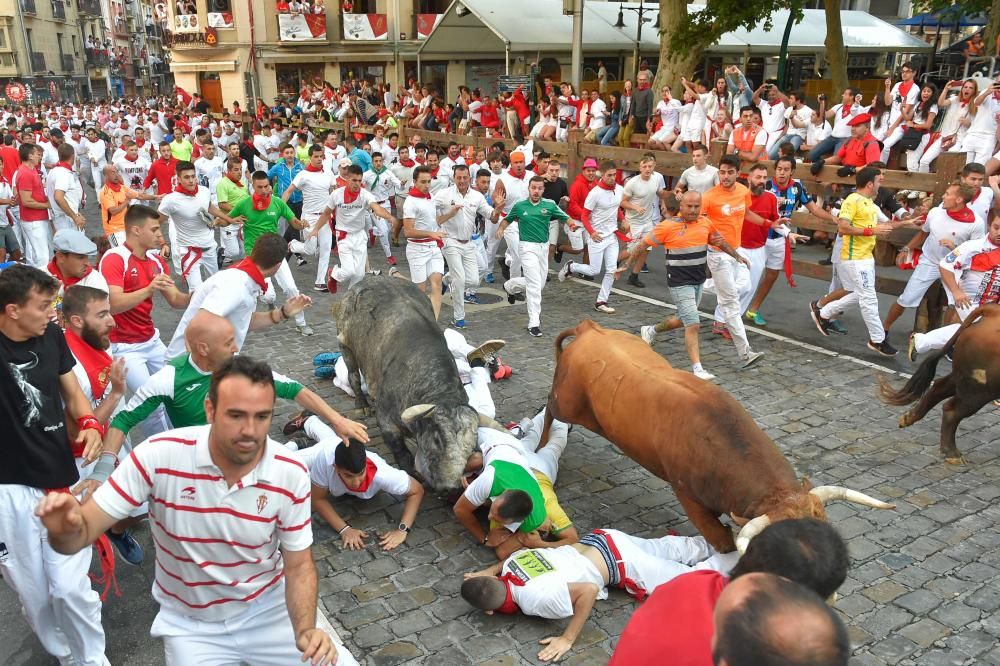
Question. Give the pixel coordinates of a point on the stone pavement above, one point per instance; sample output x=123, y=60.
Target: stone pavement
x=923, y=586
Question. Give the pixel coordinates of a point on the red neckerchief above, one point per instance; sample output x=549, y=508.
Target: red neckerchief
x=414, y=192
x=521, y=177
x=115, y=187
x=251, y=269
x=434, y=172
x=609, y=188
x=509, y=606
x=350, y=197
x=67, y=281
x=845, y=110
x=311, y=169
x=366, y=483
x=260, y=202
x=986, y=261
x=96, y=363
x=180, y=190
x=978, y=192
x=645, y=86
x=132, y=159
x=140, y=142
x=407, y=162
x=237, y=181
x=904, y=88
x=963, y=214
x=64, y=165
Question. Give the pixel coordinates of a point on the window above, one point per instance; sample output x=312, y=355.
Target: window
x=291, y=78
x=27, y=38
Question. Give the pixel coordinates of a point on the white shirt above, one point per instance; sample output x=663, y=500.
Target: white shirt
x=603, y=206
x=462, y=225
x=644, y=193
x=669, y=112
x=351, y=211
x=598, y=111
x=230, y=294
x=50, y=153
x=803, y=115
x=516, y=189
x=700, y=180
x=62, y=179
x=190, y=217
x=96, y=153
x=772, y=116
x=134, y=173
x=899, y=100
x=315, y=187
x=986, y=118
x=333, y=156
x=547, y=574
x=446, y=168
x=982, y=203
x=387, y=478
x=210, y=172
x=940, y=226
x=6, y=192
x=841, y=130
x=422, y=211
x=249, y=522
x=388, y=184
x=979, y=286
x=816, y=133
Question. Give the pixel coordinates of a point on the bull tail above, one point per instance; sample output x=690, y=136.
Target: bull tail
x=568, y=333
x=925, y=373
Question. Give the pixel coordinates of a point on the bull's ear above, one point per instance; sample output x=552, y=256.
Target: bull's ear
x=413, y=414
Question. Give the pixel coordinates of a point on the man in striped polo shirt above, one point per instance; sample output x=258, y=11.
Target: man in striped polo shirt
x=221, y=493
x=685, y=240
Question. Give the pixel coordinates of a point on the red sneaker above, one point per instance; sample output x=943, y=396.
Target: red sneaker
x=502, y=372
x=331, y=284
x=390, y=260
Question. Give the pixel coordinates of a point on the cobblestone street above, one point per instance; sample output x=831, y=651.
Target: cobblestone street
x=923, y=587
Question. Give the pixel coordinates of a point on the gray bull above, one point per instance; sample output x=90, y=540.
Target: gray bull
x=387, y=332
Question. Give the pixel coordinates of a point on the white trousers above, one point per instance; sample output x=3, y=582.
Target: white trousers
x=978, y=146
x=318, y=246
x=913, y=157
x=835, y=283
x=534, y=268
x=476, y=381
x=858, y=277
x=545, y=461
x=380, y=228
x=60, y=222
x=352, y=251
x=923, y=276
x=231, y=237
x=603, y=253
x=37, y=242
x=513, y=256
x=463, y=272
x=482, y=260
x=283, y=278
x=747, y=278
x=492, y=244
x=97, y=174
x=340, y=378
x=931, y=153
x=653, y=562
x=194, y=259
x=53, y=589
x=939, y=337
x=890, y=140
x=731, y=279
x=143, y=360
x=261, y=635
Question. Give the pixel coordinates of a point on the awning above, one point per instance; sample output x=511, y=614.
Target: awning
x=946, y=19
x=202, y=65
x=492, y=27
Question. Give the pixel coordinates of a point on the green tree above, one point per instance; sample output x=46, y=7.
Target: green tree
x=967, y=8
x=685, y=36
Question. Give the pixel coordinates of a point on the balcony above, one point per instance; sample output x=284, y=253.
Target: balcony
x=119, y=27
x=364, y=27
x=154, y=31
x=38, y=62
x=97, y=58
x=28, y=7
x=58, y=10
x=89, y=7
x=69, y=63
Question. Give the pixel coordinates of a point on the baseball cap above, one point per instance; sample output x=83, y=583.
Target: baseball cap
x=590, y=163
x=517, y=157
x=73, y=241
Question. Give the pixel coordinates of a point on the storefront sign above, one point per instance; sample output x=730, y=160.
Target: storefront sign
x=15, y=91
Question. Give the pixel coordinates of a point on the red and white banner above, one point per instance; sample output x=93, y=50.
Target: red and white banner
x=301, y=27
x=220, y=20
x=365, y=27
x=426, y=24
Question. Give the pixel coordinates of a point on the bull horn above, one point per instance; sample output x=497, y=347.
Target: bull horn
x=830, y=493
x=417, y=412
x=750, y=530
x=487, y=422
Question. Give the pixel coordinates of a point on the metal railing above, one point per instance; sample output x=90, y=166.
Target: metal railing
x=97, y=58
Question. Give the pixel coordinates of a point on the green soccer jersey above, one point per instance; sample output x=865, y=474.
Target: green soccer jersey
x=181, y=388
x=226, y=191
x=511, y=476
x=259, y=222
x=533, y=219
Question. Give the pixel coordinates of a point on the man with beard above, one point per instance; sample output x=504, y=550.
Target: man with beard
x=87, y=312
x=265, y=609
x=38, y=393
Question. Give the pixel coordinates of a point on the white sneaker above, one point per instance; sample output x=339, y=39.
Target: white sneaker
x=306, y=330
x=564, y=271
x=604, y=307
x=648, y=334
x=702, y=374
x=751, y=358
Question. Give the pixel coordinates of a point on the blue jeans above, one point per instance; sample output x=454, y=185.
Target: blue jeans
x=828, y=146
x=793, y=139
x=606, y=135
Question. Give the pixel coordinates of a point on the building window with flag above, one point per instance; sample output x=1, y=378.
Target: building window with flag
x=220, y=14
x=301, y=20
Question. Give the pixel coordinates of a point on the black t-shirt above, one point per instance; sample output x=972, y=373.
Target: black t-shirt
x=555, y=190
x=36, y=451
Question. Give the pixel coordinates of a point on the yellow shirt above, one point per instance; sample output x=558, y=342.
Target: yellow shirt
x=862, y=213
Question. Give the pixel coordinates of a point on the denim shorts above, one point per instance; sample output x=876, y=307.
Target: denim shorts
x=8, y=239
x=686, y=297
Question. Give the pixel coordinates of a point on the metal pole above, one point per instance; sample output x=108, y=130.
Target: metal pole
x=577, y=56
x=638, y=41
x=506, y=63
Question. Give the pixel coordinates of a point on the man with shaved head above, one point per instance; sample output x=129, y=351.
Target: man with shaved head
x=182, y=385
x=115, y=198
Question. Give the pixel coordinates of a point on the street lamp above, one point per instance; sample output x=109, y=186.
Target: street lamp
x=641, y=12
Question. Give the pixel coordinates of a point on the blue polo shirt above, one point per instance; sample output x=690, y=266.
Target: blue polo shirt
x=283, y=176
x=360, y=158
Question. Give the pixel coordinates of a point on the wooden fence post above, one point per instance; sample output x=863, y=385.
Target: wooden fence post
x=575, y=139
x=948, y=168
x=716, y=151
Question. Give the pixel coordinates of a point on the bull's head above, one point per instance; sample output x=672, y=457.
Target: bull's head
x=808, y=504
x=444, y=438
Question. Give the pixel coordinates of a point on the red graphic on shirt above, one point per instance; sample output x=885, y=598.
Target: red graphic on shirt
x=261, y=503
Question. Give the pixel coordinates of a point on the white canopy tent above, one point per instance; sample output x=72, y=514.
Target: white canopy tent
x=490, y=27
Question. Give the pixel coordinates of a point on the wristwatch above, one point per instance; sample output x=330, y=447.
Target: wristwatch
x=403, y=528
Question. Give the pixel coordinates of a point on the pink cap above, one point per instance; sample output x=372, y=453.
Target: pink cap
x=590, y=163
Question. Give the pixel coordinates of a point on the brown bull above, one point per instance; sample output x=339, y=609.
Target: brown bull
x=686, y=431
x=974, y=379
